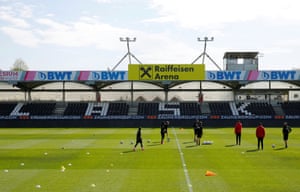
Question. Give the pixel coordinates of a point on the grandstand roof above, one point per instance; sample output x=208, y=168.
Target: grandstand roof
x=31, y=81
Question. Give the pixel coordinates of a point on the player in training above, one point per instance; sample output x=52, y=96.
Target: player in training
x=164, y=131
x=260, y=135
x=195, y=127
x=199, y=132
x=286, y=129
x=238, y=132
x=139, y=139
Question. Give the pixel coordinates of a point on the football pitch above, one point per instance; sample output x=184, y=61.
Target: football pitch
x=91, y=159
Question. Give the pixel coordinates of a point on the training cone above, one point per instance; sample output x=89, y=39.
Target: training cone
x=210, y=173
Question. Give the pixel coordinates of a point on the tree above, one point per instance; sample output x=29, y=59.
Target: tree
x=19, y=65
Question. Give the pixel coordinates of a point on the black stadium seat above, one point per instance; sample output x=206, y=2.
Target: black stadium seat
x=7, y=108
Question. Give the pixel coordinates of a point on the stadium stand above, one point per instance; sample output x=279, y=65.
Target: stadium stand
x=118, y=109
x=169, y=109
x=255, y=108
x=7, y=108
x=220, y=108
x=97, y=108
x=88, y=114
x=148, y=108
x=239, y=91
x=190, y=108
x=37, y=108
x=76, y=109
x=291, y=108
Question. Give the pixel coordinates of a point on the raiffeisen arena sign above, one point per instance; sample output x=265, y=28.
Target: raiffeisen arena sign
x=169, y=72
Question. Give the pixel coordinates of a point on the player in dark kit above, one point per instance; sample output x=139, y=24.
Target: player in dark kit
x=139, y=139
x=195, y=126
x=286, y=129
x=164, y=131
x=199, y=132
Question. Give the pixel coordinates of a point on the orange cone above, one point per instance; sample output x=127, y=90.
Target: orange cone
x=210, y=173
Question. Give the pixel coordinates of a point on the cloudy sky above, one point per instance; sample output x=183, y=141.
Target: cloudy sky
x=85, y=34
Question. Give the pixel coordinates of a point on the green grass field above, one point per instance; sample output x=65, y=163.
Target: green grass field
x=94, y=160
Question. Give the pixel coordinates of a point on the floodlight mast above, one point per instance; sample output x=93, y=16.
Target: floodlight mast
x=203, y=54
x=129, y=54
x=127, y=40
x=205, y=41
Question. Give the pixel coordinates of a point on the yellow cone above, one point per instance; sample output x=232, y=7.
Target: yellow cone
x=210, y=173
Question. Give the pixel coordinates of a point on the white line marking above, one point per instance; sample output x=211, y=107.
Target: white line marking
x=185, y=170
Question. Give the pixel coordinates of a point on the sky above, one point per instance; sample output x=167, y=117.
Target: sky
x=85, y=34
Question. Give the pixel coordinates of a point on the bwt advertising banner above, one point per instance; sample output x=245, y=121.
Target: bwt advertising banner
x=145, y=72
x=10, y=75
x=166, y=72
x=75, y=75
x=292, y=75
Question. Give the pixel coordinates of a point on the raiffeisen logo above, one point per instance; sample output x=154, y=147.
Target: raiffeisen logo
x=166, y=72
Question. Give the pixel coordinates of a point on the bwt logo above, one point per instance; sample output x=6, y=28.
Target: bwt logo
x=55, y=75
x=224, y=75
x=279, y=75
x=109, y=75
